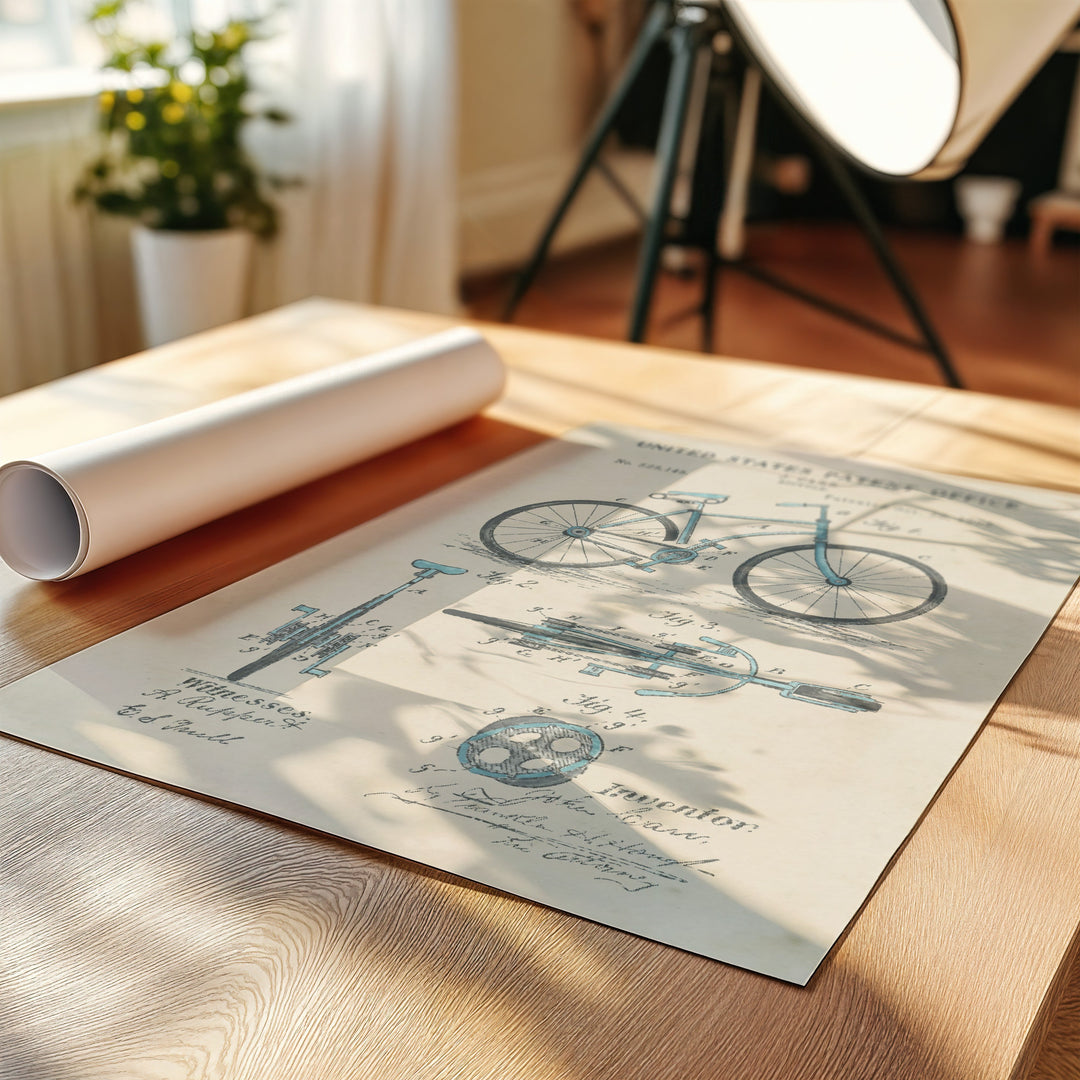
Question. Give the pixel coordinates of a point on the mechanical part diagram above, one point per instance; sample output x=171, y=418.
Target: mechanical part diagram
x=330, y=637
x=648, y=660
x=530, y=751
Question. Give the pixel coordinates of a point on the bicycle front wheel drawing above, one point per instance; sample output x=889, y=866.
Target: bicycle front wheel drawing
x=879, y=587
x=577, y=533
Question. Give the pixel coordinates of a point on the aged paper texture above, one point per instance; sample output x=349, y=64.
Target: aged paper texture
x=695, y=692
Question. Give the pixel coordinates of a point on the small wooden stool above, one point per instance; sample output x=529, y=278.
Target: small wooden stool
x=1049, y=212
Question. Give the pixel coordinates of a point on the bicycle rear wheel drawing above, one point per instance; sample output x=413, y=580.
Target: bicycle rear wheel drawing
x=877, y=586
x=817, y=581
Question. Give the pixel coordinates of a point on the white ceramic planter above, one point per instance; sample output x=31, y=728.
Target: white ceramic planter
x=986, y=203
x=189, y=281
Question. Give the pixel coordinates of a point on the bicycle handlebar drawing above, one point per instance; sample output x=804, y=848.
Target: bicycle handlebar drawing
x=567, y=635
x=818, y=582
x=326, y=639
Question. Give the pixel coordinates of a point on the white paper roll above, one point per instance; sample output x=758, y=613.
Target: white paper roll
x=69, y=511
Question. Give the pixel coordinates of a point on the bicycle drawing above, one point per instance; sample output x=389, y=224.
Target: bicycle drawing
x=818, y=581
x=530, y=751
x=326, y=639
x=647, y=660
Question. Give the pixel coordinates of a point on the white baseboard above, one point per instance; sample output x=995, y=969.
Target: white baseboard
x=503, y=209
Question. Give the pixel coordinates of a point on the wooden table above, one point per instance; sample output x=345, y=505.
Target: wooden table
x=154, y=935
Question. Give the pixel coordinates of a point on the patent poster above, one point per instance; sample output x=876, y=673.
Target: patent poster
x=695, y=692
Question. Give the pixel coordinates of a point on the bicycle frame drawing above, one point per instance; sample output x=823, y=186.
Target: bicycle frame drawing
x=647, y=660
x=819, y=581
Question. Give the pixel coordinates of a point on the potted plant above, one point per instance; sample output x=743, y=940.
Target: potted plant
x=172, y=158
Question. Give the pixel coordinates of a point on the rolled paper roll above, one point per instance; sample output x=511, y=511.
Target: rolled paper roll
x=69, y=511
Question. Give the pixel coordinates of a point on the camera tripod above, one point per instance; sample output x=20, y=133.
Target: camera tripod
x=690, y=27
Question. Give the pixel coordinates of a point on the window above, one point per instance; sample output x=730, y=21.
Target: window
x=47, y=51
x=36, y=34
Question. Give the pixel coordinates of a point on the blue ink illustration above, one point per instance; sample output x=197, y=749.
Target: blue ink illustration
x=326, y=639
x=647, y=660
x=530, y=751
x=818, y=581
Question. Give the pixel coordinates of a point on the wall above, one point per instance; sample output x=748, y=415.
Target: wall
x=528, y=89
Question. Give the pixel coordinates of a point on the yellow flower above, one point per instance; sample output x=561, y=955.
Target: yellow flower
x=106, y=100
x=172, y=113
x=170, y=168
x=180, y=91
x=135, y=96
x=233, y=36
x=135, y=121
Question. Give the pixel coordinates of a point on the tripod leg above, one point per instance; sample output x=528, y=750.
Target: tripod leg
x=709, y=301
x=694, y=130
x=869, y=223
x=686, y=38
x=652, y=31
x=738, y=116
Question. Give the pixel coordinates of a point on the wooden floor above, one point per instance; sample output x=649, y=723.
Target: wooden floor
x=1010, y=320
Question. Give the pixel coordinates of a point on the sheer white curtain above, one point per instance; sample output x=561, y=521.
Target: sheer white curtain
x=65, y=280
x=373, y=142
x=34, y=220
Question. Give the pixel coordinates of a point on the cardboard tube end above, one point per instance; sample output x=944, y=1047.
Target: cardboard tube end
x=41, y=528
